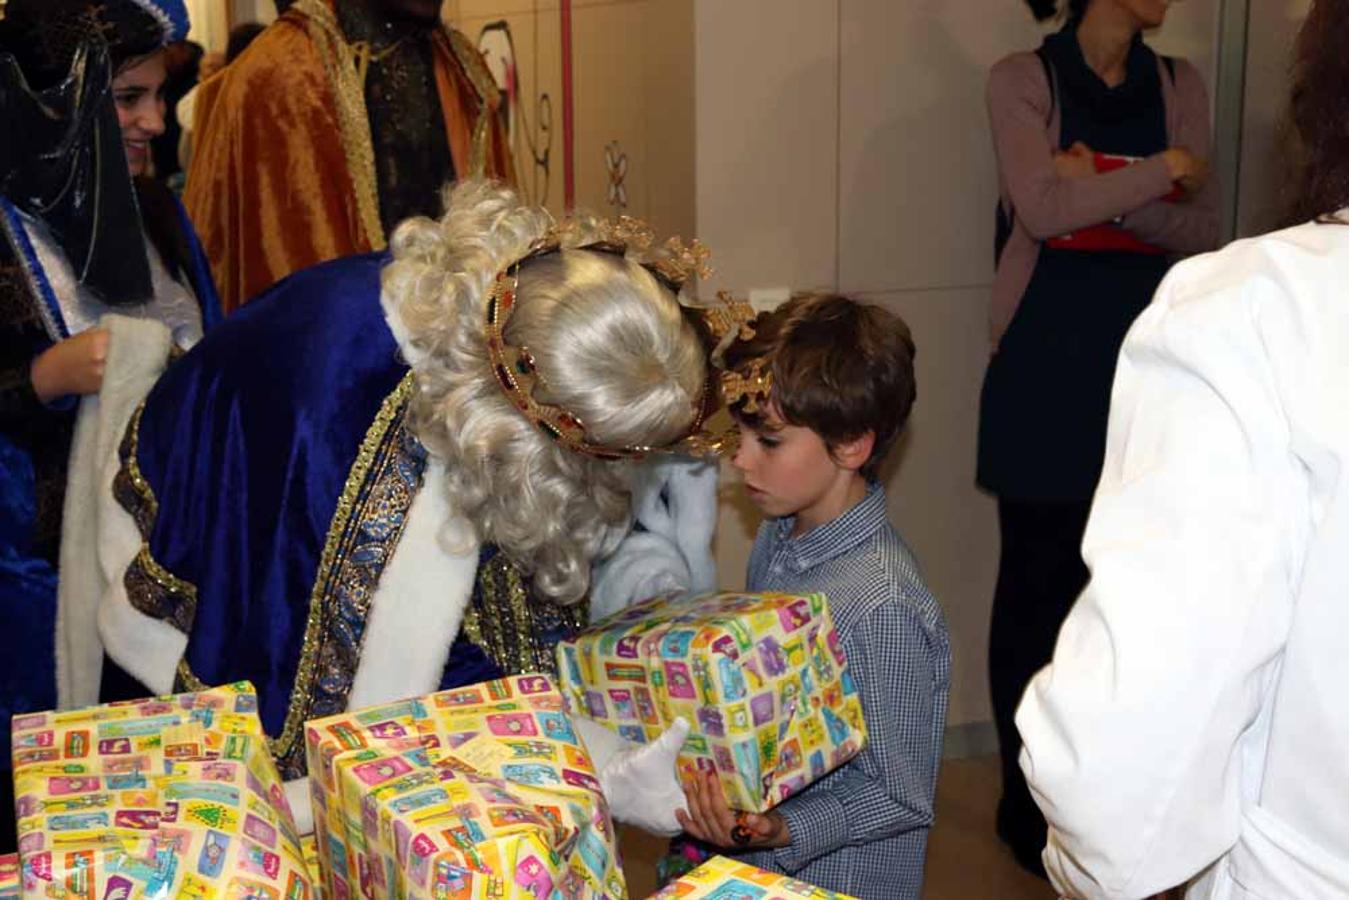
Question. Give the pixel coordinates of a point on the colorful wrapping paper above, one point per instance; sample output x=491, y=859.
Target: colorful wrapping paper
x=171, y=797
x=480, y=792
x=761, y=678
x=309, y=849
x=725, y=879
x=9, y=876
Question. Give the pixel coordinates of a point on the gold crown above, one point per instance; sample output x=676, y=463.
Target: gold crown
x=675, y=263
x=712, y=431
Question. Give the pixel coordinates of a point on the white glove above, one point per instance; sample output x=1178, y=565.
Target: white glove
x=639, y=781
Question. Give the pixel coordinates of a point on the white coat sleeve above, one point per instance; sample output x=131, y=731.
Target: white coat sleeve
x=1135, y=734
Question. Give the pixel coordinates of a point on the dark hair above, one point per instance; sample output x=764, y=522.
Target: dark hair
x=840, y=368
x=45, y=35
x=1046, y=9
x=240, y=37
x=1319, y=109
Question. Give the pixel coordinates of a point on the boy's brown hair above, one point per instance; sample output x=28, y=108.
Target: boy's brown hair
x=839, y=367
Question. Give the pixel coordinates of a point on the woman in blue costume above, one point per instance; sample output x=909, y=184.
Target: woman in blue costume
x=83, y=232
x=395, y=473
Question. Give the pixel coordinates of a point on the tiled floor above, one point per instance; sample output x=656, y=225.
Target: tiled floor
x=964, y=859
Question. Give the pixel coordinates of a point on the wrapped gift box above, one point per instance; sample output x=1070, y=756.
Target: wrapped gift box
x=761, y=679
x=171, y=797
x=478, y=792
x=721, y=878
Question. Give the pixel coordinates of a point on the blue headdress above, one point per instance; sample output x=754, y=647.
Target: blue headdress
x=171, y=16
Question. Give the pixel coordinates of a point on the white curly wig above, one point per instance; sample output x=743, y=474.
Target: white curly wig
x=610, y=342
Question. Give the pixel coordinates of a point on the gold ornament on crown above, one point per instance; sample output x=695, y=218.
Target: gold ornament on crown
x=752, y=388
x=676, y=263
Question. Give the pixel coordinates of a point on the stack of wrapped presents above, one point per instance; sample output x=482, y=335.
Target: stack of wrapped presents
x=171, y=797
x=479, y=792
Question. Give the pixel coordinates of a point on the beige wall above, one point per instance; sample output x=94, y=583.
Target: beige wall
x=836, y=144
x=843, y=144
x=633, y=84
x=211, y=19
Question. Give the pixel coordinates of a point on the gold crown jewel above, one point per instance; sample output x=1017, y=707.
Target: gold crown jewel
x=516, y=371
x=674, y=265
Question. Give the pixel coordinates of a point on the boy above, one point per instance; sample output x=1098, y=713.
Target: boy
x=826, y=386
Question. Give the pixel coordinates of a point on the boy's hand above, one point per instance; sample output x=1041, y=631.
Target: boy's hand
x=709, y=818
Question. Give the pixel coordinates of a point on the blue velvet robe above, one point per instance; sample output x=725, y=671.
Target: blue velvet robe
x=270, y=472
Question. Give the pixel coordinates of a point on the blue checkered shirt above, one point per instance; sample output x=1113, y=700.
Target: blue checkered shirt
x=862, y=829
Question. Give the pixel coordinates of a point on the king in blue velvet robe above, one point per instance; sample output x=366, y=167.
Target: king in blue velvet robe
x=270, y=473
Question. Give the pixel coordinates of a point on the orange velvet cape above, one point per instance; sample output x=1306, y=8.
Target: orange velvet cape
x=271, y=189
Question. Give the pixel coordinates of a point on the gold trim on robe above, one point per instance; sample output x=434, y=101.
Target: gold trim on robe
x=362, y=536
x=508, y=621
x=151, y=589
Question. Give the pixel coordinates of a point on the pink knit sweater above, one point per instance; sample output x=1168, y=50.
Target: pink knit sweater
x=1045, y=205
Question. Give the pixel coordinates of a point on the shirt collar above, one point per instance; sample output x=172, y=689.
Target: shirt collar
x=836, y=537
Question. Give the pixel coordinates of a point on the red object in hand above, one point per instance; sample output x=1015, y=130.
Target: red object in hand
x=1109, y=162
x=1108, y=237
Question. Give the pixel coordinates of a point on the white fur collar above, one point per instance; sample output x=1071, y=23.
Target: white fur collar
x=418, y=606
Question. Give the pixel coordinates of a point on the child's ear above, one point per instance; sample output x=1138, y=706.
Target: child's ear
x=854, y=454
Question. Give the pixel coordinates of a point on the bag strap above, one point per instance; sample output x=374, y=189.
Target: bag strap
x=1006, y=216
x=1052, y=78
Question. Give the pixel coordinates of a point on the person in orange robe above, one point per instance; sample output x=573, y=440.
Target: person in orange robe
x=343, y=118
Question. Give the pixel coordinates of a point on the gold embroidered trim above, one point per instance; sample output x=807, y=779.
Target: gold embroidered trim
x=186, y=680
x=478, y=153
x=471, y=61
x=353, y=119
x=156, y=592
x=151, y=589
x=130, y=488
x=312, y=644
x=511, y=627
x=489, y=99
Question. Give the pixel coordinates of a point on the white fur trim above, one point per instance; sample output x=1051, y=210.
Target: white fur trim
x=675, y=501
x=99, y=538
x=301, y=806
x=418, y=605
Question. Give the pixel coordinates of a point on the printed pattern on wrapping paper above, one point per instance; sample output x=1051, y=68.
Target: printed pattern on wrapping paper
x=170, y=797
x=721, y=878
x=761, y=679
x=477, y=792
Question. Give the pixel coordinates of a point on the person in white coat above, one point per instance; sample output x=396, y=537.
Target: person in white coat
x=1192, y=726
